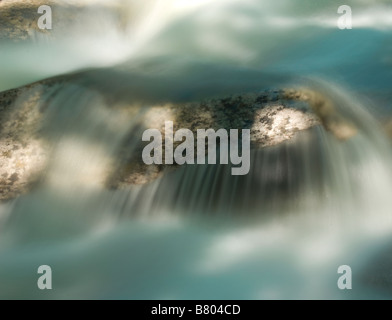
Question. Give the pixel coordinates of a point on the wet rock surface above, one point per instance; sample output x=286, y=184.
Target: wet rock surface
x=333, y=121
x=273, y=117
x=270, y=118
x=23, y=153
x=19, y=18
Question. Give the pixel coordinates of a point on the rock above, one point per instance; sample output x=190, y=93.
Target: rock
x=23, y=153
x=19, y=18
x=273, y=117
x=341, y=127
x=271, y=121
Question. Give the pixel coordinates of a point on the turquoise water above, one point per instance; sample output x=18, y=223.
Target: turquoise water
x=200, y=233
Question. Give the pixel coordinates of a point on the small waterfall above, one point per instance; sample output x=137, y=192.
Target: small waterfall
x=312, y=182
x=308, y=204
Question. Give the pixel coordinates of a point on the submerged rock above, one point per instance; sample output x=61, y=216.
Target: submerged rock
x=271, y=121
x=273, y=117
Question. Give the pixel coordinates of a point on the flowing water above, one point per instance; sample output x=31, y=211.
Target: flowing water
x=306, y=207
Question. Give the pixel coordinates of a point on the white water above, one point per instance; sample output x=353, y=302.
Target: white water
x=281, y=232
